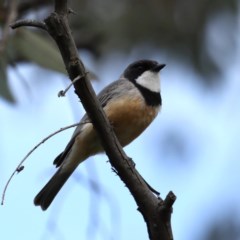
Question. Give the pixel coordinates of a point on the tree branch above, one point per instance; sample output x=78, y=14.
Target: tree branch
x=156, y=212
x=62, y=93
x=20, y=166
x=28, y=23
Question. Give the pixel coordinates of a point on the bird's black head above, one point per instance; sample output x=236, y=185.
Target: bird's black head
x=136, y=69
x=144, y=75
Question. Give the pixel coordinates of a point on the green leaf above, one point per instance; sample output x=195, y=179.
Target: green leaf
x=38, y=49
x=4, y=88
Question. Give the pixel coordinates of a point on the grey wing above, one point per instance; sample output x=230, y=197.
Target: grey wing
x=60, y=158
x=113, y=90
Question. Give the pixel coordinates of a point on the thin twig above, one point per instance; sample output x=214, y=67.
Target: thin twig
x=28, y=23
x=62, y=93
x=20, y=166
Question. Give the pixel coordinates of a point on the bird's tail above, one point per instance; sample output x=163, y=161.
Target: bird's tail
x=45, y=197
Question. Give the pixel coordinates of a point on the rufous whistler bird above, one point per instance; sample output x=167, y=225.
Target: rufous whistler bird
x=130, y=103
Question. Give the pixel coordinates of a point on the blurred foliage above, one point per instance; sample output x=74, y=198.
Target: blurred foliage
x=224, y=229
x=28, y=42
x=101, y=27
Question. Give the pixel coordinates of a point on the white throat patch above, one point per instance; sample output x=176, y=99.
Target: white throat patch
x=149, y=80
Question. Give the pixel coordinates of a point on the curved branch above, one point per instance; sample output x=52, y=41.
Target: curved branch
x=28, y=23
x=20, y=166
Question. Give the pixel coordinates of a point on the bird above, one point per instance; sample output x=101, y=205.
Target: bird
x=131, y=103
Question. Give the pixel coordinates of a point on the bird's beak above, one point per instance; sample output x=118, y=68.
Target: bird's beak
x=158, y=67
